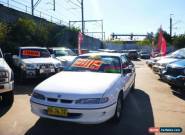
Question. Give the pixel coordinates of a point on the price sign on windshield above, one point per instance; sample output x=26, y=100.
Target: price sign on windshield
x=88, y=63
x=32, y=53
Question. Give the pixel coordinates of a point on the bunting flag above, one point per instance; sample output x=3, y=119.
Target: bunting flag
x=161, y=43
x=80, y=40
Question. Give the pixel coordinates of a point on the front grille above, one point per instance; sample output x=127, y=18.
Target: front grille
x=65, y=101
x=44, y=66
x=174, y=71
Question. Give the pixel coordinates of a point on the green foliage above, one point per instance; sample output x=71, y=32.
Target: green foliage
x=116, y=42
x=166, y=36
x=3, y=32
x=179, y=41
x=144, y=42
x=27, y=32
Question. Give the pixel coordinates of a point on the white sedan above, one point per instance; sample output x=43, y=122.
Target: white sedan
x=90, y=91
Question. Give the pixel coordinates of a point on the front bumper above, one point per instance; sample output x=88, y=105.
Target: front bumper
x=85, y=116
x=178, y=81
x=38, y=74
x=6, y=87
x=158, y=69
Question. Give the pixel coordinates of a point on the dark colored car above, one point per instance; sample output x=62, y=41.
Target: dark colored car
x=144, y=55
x=174, y=74
x=133, y=54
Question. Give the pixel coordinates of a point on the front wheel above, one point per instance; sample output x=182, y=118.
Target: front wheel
x=118, y=113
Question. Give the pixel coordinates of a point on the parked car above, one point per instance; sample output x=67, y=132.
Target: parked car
x=91, y=90
x=170, y=58
x=133, y=54
x=6, y=81
x=174, y=74
x=152, y=61
x=65, y=55
x=35, y=62
x=144, y=55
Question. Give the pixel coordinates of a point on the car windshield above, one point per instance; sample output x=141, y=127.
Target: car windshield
x=180, y=54
x=34, y=53
x=102, y=64
x=65, y=52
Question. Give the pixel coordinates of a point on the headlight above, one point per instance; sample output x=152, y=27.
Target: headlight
x=31, y=66
x=59, y=65
x=163, y=64
x=38, y=96
x=92, y=101
x=3, y=74
x=28, y=66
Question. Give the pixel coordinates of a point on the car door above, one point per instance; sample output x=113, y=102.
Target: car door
x=125, y=76
x=132, y=74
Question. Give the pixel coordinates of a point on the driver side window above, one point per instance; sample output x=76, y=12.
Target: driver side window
x=125, y=62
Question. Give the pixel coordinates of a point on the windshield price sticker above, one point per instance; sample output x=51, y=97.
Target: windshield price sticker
x=88, y=63
x=31, y=53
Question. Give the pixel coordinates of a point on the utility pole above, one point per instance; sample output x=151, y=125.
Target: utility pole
x=33, y=5
x=53, y=5
x=82, y=10
x=32, y=8
x=171, y=25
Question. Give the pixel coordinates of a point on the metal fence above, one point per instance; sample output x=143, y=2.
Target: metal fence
x=25, y=8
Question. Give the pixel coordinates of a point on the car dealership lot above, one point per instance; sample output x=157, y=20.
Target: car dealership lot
x=152, y=104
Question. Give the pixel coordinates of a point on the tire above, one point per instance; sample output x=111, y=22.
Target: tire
x=133, y=86
x=8, y=98
x=119, y=107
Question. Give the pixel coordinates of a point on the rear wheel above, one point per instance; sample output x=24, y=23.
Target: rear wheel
x=119, y=107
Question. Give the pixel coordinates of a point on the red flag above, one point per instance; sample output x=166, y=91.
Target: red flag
x=80, y=40
x=160, y=39
x=163, y=46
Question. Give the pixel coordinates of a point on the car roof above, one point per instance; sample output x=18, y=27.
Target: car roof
x=32, y=47
x=103, y=54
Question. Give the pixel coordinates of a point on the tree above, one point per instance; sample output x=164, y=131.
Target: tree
x=3, y=32
x=166, y=36
x=144, y=42
x=179, y=41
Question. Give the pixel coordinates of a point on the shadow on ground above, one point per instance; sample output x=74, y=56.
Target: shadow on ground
x=137, y=118
x=26, y=87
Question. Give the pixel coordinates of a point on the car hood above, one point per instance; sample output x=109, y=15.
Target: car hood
x=66, y=58
x=80, y=83
x=167, y=60
x=40, y=60
x=178, y=64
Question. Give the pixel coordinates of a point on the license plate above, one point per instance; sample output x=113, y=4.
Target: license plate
x=45, y=71
x=57, y=111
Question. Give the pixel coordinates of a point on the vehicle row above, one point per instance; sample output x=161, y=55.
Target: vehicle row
x=90, y=89
x=170, y=68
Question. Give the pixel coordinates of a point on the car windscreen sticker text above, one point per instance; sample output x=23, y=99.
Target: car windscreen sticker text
x=88, y=63
x=32, y=53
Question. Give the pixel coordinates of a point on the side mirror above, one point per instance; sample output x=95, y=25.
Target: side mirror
x=127, y=70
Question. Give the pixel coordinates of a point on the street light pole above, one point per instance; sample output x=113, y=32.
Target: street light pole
x=171, y=25
x=82, y=10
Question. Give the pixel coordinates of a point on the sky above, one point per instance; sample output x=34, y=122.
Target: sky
x=119, y=16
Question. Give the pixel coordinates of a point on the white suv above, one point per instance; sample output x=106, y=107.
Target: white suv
x=35, y=62
x=6, y=81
